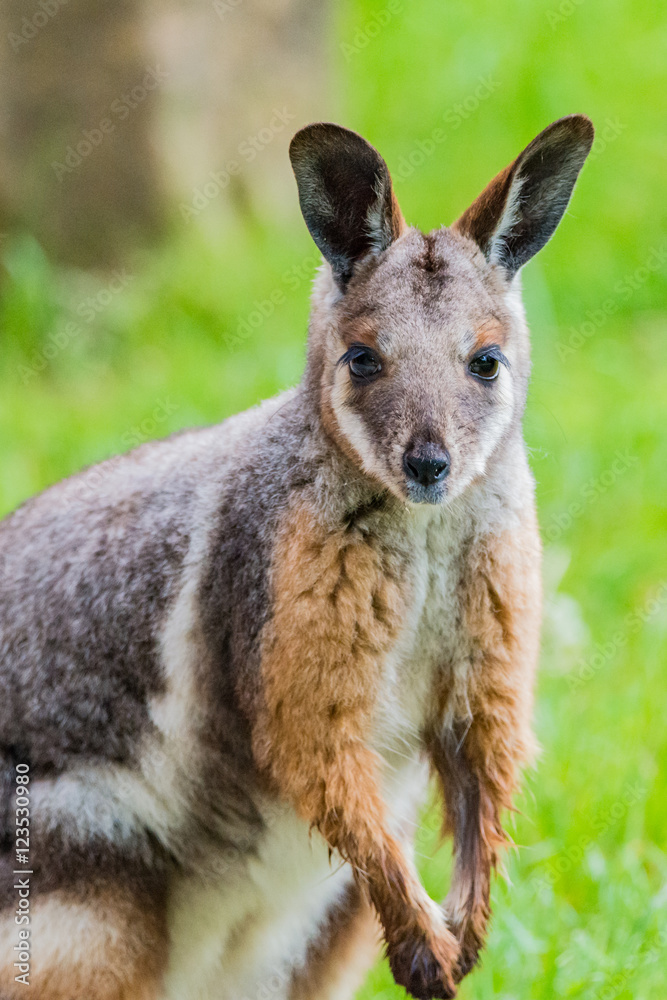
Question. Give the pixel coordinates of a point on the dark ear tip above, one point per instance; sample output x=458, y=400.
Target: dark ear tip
x=301, y=140
x=322, y=135
x=308, y=136
x=582, y=126
x=576, y=127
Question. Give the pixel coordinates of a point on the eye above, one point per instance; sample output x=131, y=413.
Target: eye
x=363, y=364
x=485, y=366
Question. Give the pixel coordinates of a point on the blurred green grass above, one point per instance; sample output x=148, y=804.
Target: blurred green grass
x=185, y=341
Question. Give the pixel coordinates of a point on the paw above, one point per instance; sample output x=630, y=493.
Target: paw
x=469, y=929
x=426, y=968
x=468, y=956
x=470, y=938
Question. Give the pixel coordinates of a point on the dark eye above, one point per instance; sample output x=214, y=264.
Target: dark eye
x=485, y=366
x=363, y=363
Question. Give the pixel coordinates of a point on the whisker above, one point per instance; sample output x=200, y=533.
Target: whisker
x=475, y=420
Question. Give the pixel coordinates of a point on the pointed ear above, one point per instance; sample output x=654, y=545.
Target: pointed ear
x=518, y=212
x=345, y=195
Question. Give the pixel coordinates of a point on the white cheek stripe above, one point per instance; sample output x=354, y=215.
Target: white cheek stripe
x=354, y=430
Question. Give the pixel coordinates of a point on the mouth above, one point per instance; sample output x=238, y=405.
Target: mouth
x=434, y=493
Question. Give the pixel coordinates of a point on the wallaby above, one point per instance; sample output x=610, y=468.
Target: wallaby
x=230, y=659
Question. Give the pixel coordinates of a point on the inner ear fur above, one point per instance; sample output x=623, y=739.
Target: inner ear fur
x=519, y=210
x=345, y=194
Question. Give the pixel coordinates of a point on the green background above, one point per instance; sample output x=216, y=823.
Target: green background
x=585, y=914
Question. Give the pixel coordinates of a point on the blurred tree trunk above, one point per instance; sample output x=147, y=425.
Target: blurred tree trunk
x=116, y=116
x=78, y=168
x=244, y=75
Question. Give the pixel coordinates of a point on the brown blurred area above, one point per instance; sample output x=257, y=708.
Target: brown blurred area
x=119, y=118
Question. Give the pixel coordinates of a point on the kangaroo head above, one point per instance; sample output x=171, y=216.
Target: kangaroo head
x=418, y=342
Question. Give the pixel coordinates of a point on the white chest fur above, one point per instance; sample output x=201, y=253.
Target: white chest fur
x=430, y=639
x=241, y=938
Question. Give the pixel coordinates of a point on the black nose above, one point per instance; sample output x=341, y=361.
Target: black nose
x=427, y=465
